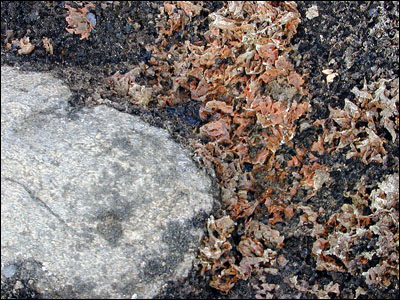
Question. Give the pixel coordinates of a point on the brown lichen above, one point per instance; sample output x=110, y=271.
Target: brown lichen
x=78, y=21
x=24, y=44
x=252, y=103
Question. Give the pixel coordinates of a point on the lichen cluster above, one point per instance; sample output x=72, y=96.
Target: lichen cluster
x=253, y=103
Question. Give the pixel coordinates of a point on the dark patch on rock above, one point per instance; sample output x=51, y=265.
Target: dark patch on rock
x=154, y=268
x=110, y=228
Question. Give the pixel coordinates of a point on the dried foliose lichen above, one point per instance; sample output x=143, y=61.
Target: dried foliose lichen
x=251, y=100
x=126, y=85
x=352, y=229
x=375, y=104
x=180, y=14
x=239, y=62
x=24, y=44
x=315, y=289
x=78, y=20
x=47, y=45
x=253, y=103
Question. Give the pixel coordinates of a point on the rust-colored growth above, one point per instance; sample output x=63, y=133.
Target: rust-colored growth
x=48, y=45
x=252, y=100
x=78, y=21
x=375, y=104
x=24, y=44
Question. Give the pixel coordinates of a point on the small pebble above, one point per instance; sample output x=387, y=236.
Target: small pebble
x=9, y=271
x=92, y=18
x=372, y=11
x=18, y=285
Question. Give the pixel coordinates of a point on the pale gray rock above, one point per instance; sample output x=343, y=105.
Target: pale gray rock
x=97, y=203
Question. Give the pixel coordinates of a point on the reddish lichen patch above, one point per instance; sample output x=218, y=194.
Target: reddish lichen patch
x=78, y=21
x=356, y=124
x=253, y=104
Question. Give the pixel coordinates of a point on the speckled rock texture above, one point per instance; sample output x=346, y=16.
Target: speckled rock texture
x=95, y=203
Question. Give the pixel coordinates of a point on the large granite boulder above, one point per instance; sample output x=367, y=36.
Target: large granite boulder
x=94, y=204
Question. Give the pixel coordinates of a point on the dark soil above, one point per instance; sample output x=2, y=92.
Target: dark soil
x=356, y=39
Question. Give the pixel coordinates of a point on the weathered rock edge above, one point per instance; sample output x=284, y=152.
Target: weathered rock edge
x=95, y=203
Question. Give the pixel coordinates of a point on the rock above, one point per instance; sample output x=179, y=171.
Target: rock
x=9, y=271
x=18, y=285
x=98, y=203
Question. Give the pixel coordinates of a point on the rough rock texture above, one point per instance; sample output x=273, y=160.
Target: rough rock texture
x=94, y=203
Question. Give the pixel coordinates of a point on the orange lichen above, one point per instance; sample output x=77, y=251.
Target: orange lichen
x=78, y=21
x=252, y=103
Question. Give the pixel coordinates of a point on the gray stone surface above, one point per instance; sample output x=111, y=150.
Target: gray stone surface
x=97, y=203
